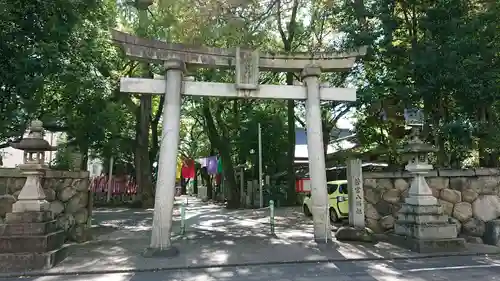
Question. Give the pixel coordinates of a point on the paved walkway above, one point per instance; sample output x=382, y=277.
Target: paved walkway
x=217, y=237
x=431, y=269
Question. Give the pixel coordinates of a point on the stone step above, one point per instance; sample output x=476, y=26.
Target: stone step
x=428, y=245
x=419, y=219
x=426, y=231
x=32, y=244
x=421, y=210
x=23, y=262
x=28, y=217
x=28, y=229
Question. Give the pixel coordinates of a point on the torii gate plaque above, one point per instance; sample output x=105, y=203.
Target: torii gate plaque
x=247, y=63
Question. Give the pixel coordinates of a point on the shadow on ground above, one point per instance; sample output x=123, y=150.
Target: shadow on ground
x=454, y=268
x=214, y=237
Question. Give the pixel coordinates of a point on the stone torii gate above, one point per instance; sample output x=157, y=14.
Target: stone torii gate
x=248, y=64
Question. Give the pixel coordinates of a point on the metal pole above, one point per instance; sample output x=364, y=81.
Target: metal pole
x=242, y=186
x=51, y=143
x=183, y=218
x=271, y=215
x=110, y=178
x=261, y=201
x=222, y=185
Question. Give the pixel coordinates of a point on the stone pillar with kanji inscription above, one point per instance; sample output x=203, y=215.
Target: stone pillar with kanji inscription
x=356, y=195
x=356, y=231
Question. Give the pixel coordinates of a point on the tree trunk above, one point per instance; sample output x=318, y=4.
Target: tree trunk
x=142, y=161
x=184, y=184
x=291, y=194
x=155, y=141
x=233, y=202
x=287, y=47
x=84, y=150
x=208, y=181
x=153, y=152
x=219, y=142
x=482, y=147
x=326, y=135
x=195, y=181
x=432, y=133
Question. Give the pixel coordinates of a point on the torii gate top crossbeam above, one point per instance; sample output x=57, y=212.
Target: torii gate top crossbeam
x=155, y=50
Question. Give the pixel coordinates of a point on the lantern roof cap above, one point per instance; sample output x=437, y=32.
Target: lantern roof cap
x=35, y=141
x=416, y=146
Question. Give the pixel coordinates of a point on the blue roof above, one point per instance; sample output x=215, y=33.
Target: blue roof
x=300, y=136
x=337, y=134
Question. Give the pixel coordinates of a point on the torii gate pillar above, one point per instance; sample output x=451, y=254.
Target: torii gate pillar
x=316, y=155
x=169, y=146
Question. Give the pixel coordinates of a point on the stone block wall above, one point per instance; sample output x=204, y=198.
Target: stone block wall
x=469, y=197
x=67, y=192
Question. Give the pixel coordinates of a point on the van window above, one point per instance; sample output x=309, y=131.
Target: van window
x=343, y=188
x=331, y=188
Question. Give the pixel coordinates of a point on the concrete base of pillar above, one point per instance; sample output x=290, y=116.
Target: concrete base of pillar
x=161, y=253
x=322, y=226
x=322, y=240
x=320, y=237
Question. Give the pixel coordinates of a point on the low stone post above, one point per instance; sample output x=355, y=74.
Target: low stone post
x=255, y=194
x=183, y=218
x=271, y=216
x=249, y=193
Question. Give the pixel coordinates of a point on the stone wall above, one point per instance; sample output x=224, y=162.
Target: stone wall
x=469, y=197
x=67, y=192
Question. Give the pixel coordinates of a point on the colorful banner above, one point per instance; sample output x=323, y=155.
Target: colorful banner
x=219, y=165
x=218, y=179
x=202, y=161
x=188, y=169
x=178, y=169
x=212, y=165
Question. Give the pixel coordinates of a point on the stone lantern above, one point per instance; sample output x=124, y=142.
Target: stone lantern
x=418, y=165
x=32, y=198
x=30, y=238
x=76, y=158
x=421, y=224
